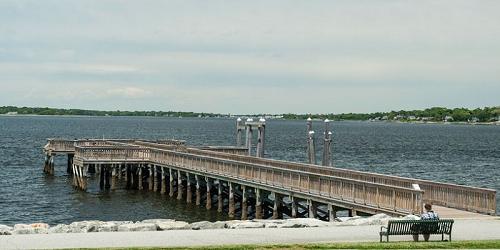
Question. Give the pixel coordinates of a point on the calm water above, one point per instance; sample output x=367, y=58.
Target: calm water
x=459, y=154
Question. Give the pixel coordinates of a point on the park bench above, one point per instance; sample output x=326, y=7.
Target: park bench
x=411, y=227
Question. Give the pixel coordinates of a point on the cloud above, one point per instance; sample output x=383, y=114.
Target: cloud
x=128, y=92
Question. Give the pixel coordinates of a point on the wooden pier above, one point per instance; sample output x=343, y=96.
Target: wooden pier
x=233, y=181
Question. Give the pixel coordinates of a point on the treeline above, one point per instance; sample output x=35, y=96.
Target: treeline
x=82, y=112
x=486, y=114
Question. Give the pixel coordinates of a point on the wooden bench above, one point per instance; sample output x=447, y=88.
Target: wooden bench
x=411, y=227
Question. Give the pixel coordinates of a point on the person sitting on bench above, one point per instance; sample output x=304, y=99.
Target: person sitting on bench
x=428, y=215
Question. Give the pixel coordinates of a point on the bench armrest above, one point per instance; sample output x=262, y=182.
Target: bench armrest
x=382, y=227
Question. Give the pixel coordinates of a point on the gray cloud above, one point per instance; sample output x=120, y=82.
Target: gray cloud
x=241, y=57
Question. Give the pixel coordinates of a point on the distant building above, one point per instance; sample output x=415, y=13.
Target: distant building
x=412, y=117
x=11, y=113
x=473, y=120
x=448, y=118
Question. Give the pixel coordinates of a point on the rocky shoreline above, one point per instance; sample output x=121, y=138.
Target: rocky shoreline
x=168, y=224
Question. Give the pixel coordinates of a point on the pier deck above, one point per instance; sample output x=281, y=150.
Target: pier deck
x=245, y=186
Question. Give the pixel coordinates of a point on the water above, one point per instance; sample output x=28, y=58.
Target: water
x=460, y=154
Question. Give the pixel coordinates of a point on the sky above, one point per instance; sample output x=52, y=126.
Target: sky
x=244, y=57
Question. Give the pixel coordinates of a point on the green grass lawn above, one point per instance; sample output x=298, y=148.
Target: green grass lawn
x=489, y=244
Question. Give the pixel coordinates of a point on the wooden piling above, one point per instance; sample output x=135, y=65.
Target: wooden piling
x=332, y=213
x=244, y=206
x=294, y=207
x=179, y=185
x=171, y=183
x=258, y=204
x=151, y=178
x=220, y=201
x=139, y=178
x=275, y=206
x=155, y=178
x=231, y=201
x=198, y=193
x=208, y=205
x=163, y=181
x=189, y=195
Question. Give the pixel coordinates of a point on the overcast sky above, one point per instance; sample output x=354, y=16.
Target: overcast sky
x=250, y=56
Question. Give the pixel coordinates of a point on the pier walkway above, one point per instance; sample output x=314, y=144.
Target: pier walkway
x=244, y=187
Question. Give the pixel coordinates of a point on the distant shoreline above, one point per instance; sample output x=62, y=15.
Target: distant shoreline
x=283, y=119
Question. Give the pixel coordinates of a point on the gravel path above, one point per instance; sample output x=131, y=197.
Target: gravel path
x=463, y=230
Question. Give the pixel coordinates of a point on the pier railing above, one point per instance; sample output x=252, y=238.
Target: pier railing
x=379, y=196
x=467, y=198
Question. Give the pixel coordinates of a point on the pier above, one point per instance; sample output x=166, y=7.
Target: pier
x=240, y=182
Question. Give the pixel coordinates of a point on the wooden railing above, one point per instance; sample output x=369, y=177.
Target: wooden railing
x=59, y=145
x=112, y=153
x=467, y=198
x=362, y=193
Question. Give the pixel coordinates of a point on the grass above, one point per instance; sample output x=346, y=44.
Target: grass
x=484, y=244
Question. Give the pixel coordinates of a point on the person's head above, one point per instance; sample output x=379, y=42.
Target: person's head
x=428, y=207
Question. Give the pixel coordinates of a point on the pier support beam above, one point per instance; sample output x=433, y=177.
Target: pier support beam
x=171, y=183
x=208, y=205
x=332, y=213
x=231, y=201
x=198, y=193
x=139, y=179
x=220, y=201
x=294, y=207
x=151, y=178
x=258, y=204
x=70, y=164
x=312, y=209
x=114, y=173
x=189, y=195
x=244, y=206
x=179, y=185
x=155, y=178
x=275, y=206
x=163, y=181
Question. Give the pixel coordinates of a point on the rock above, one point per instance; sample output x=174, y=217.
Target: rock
x=172, y=225
x=203, y=225
x=37, y=228
x=378, y=219
x=245, y=225
x=410, y=217
x=156, y=221
x=271, y=225
x=85, y=226
x=344, y=219
x=107, y=227
x=303, y=222
x=60, y=229
x=137, y=227
x=5, y=230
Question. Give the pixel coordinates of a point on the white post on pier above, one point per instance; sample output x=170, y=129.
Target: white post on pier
x=249, y=135
x=261, y=137
x=327, y=147
x=239, y=130
x=311, y=149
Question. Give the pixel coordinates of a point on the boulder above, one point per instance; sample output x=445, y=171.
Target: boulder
x=172, y=225
x=37, y=228
x=378, y=219
x=411, y=217
x=245, y=225
x=137, y=227
x=271, y=225
x=85, y=226
x=60, y=229
x=156, y=221
x=5, y=230
x=107, y=227
x=303, y=222
x=203, y=225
